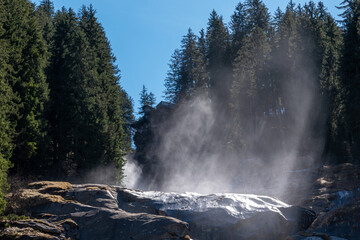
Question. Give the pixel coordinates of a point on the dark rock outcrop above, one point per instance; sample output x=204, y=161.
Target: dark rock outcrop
x=341, y=222
x=60, y=210
x=92, y=208
x=91, y=211
x=222, y=216
x=38, y=229
x=335, y=197
x=147, y=140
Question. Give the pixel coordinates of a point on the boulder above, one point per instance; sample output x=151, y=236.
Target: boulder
x=221, y=216
x=342, y=222
x=94, y=211
x=31, y=229
x=90, y=212
x=335, y=197
x=336, y=186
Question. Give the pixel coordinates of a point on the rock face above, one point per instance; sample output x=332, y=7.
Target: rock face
x=222, y=216
x=336, y=200
x=38, y=229
x=90, y=211
x=93, y=210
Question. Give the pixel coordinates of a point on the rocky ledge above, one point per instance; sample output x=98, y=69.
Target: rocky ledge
x=60, y=210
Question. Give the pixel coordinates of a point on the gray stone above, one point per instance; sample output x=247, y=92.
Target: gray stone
x=221, y=216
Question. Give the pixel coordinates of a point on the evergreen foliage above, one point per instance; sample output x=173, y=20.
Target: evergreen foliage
x=26, y=61
x=218, y=52
x=350, y=81
x=7, y=109
x=109, y=104
x=271, y=60
x=172, y=81
x=147, y=99
x=45, y=13
x=250, y=87
x=62, y=110
x=87, y=104
x=200, y=73
x=187, y=73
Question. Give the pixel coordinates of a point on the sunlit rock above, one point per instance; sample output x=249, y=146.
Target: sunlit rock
x=93, y=208
x=221, y=216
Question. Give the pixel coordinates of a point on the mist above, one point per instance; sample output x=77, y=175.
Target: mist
x=258, y=127
x=192, y=157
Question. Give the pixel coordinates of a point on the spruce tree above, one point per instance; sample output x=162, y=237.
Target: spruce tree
x=95, y=85
x=115, y=102
x=172, y=80
x=147, y=99
x=330, y=45
x=237, y=26
x=250, y=87
x=27, y=59
x=187, y=75
x=188, y=62
x=200, y=73
x=45, y=13
x=90, y=113
x=218, y=58
x=127, y=108
x=67, y=113
x=7, y=109
x=350, y=74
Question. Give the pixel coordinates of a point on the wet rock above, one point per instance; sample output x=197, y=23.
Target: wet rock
x=40, y=225
x=336, y=185
x=93, y=211
x=342, y=222
x=316, y=236
x=336, y=200
x=31, y=229
x=88, y=212
x=221, y=216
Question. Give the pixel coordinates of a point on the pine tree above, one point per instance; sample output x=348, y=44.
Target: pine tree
x=277, y=17
x=237, y=26
x=147, y=99
x=350, y=74
x=187, y=75
x=310, y=59
x=90, y=113
x=172, y=80
x=200, y=73
x=330, y=45
x=128, y=116
x=45, y=13
x=188, y=65
x=250, y=87
x=6, y=132
x=7, y=108
x=67, y=96
x=98, y=88
x=218, y=58
x=108, y=102
x=27, y=59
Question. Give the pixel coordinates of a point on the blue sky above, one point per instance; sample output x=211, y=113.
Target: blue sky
x=144, y=33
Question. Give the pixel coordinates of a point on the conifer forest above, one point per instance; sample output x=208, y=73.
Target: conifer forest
x=273, y=81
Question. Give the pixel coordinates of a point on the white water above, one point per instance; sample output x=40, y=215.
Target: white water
x=227, y=206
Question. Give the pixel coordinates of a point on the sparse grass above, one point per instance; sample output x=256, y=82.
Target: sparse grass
x=8, y=219
x=13, y=217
